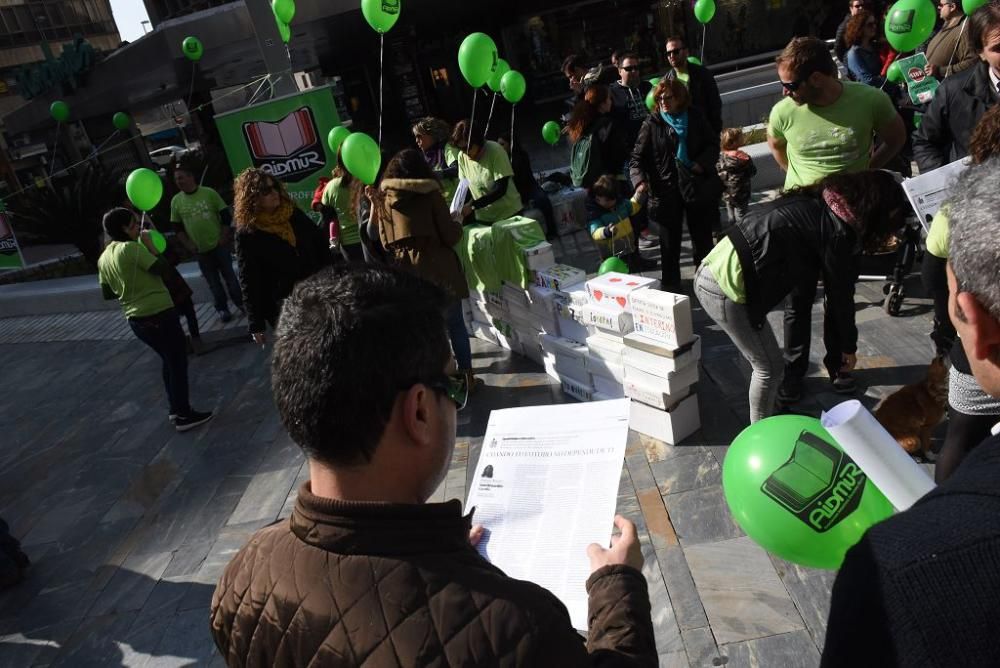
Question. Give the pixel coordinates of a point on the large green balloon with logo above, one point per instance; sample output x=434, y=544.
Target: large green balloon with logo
x=503, y=67
x=478, y=58
x=144, y=188
x=909, y=23
x=793, y=490
x=513, y=86
x=192, y=48
x=381, y=14
x=361, y=157
x=704, y=10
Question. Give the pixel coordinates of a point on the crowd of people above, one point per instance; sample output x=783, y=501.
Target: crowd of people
x=374, y=291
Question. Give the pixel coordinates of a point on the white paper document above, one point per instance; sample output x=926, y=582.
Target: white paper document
x=545, y=487
x=458, y=200
x=927, y=191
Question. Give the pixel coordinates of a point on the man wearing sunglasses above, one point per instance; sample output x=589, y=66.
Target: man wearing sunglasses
x=950, y=49
x=699, y=81
x=823, y=126
x=366, y=572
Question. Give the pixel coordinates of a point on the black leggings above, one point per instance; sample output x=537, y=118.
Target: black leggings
x=965, y=432
x=186, y=309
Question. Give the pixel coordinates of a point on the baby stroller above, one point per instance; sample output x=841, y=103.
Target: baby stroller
x=893, y=263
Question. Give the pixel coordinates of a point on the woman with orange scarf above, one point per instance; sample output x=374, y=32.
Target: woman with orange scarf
x=277, y=245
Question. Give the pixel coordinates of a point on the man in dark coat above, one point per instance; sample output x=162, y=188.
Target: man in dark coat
x=922, y=588
x=963, y=98
x=699, y=80
x=366, y=572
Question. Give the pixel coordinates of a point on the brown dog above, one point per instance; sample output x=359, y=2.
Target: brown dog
x=911, y=413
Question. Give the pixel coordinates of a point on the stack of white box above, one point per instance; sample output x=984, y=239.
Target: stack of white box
x=661, y=364
x=609, y=318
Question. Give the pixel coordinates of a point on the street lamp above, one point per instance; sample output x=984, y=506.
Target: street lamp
x=145, y=26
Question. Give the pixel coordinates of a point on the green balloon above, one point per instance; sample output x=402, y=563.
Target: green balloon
x=694, y=59
x=361, y=157
x=477, y=58
x=650, y=101
x=909, y=23
x=192, y=48
x=969, y=6
x=284, y=10
x=59, y=111
x=615, y=264
x=794, y=491
x=894, y=73
x=284, y=30
x=655, y=80
x=704, y=10
x=144, y=188
x=336, y=137
x=381, y=14
x=512, y=86
x=550, y=133
x=120, y=120
x=503, y=67
x=159, y=241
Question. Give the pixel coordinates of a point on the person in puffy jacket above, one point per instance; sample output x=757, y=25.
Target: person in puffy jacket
x=736, y=169
x=365, y=572
x=779, y=244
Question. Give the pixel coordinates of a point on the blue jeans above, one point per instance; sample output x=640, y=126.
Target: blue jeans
x=459, y=337
x=162, y=332
x=217, y=265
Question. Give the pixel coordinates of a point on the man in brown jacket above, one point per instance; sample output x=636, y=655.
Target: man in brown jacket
x=950, y=50
x=365, y=572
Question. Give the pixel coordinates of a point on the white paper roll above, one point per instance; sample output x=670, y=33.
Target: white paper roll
x=877, y=453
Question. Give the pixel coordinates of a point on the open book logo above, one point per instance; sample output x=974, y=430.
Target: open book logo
x=819, y=484
x=289, y=149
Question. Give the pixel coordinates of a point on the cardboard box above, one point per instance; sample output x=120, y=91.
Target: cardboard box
x=671, y=426
x=663, y=316
x=659, y=392
x=608, y=388
x=611, y=290
x=608, y=348
x=541, y=256
x=610, y=320
x=514, y=294
x=569, y=208
x=599, y=367
x=661, y=365
x=542, y=300
x=484, y=332
x=572, y=330
x=533, y=350
x=574, y=367
x=479, y=311
x=576, y=389
x=559, y=277
x=563, y=346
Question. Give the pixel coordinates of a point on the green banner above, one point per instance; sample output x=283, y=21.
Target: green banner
x=10, y=253
x=285, y=137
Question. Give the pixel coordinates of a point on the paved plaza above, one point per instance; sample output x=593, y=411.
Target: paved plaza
x=129, y=524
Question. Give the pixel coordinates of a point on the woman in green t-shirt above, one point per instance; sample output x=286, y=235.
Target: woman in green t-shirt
x=130, y=270
x=486, y=166
x=336, y=209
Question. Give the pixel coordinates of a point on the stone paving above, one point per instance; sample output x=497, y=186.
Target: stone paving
x=129, y=524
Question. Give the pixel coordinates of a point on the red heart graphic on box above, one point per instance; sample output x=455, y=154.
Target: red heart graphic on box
x=598, y=295
x=614, y=280
x=631, y=283
x=621, y=301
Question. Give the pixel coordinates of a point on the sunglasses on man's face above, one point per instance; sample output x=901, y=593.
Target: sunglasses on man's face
x=455, y=386
x=676, y=52
x=630, y=68
x=792, y=86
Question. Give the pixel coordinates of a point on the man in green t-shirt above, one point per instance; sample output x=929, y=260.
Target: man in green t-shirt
x=824, y=126
x=205, y=228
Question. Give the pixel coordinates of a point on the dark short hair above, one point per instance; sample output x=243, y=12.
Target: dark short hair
x=605, y=186
x=409, y=164
x=982, y=22
x=461, y=138
x=674, y=38
x=628, y=55
x=349, y=340
x=573, y=62
x=805, y=55
x=115, y=222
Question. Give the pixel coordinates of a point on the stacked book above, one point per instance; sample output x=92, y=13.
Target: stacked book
x=661, y=365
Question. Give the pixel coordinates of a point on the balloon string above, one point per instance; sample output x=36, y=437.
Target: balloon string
x=490, y=117
x=513, y=108
x=101, y=145
x=55, y=145
x=704, y=33
x=381, y=79
x=187, y=104
x=472, y=117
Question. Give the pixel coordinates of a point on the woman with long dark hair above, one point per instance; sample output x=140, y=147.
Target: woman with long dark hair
x=598, y=145
x=674, y=162
x=418, y=234
x=776, y=246
x=277, y=246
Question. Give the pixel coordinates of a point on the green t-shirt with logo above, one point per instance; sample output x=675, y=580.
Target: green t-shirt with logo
x=124, y=268
x=338, y=197
x=482, y=174
x=828, y=140
x=199, y=213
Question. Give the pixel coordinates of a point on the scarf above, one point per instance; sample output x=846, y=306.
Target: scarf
x=679, y=122
x=277, y=222
x=839, y=206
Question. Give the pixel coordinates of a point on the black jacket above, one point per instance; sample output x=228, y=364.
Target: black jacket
x=608, y=141
x=630, y=108
x=654, y=155
x=704, y=94
x=947, y=124
x=922, y=588
x=270, y=267
x=782, y=244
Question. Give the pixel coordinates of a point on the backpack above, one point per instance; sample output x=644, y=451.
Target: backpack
x=586, y=162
